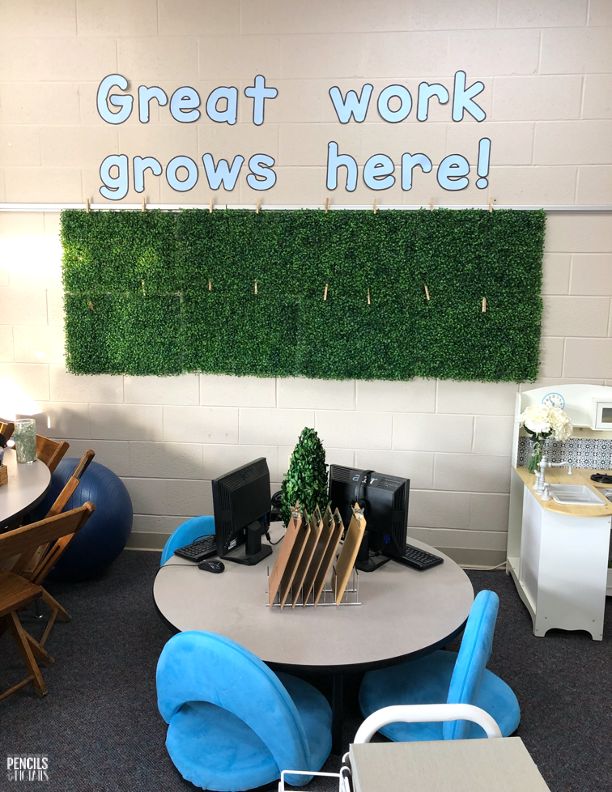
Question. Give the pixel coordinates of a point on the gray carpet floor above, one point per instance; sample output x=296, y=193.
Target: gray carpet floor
x=100, y=729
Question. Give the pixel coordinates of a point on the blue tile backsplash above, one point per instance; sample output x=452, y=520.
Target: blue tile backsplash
x=579, y=452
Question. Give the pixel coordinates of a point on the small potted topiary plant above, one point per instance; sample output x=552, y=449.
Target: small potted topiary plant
x=306, y=479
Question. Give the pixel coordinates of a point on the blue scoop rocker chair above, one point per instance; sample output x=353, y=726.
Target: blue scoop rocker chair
x=232, y=723
x=447, y=677
x=186, y=533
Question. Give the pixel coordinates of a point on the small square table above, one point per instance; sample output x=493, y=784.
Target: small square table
x=502, y=764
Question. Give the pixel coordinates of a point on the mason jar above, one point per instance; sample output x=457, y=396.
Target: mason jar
x=25, y=439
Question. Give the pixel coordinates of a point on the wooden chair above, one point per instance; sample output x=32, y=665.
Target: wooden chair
x=47, y=556
x=6, y=429
x=50, y=451
x=73, y=482
x=16, y=591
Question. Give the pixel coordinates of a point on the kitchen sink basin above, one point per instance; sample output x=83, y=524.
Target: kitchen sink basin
x=575, y=495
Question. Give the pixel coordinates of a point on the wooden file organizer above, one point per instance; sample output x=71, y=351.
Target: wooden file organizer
x=313, y=566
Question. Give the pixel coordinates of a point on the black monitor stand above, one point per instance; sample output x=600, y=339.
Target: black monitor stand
x=368, y=560
x=254, y=551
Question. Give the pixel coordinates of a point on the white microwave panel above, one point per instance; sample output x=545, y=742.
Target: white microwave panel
x=602, y=414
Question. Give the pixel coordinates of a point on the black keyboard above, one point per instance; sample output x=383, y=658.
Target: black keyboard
x=418, y=559
x=204, y=547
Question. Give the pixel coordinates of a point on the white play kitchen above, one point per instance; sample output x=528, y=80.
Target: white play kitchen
x=561, y=506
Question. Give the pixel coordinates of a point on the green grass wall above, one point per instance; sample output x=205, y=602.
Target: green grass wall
x=240, y=292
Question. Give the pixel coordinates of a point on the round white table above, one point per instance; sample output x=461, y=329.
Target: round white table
x=403, y=613
x=26, y=486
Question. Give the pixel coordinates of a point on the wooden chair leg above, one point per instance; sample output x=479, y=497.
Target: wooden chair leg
x=25, y=648
x=38, y=650
x=5, y=624
x=51, y=602
x=57, y=612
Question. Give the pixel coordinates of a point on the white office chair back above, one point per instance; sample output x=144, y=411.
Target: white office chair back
x=425, y=713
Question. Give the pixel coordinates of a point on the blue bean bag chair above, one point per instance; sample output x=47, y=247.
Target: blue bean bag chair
x=232, y=723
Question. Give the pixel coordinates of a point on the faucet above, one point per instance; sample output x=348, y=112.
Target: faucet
x=562, y=464
x=540, y=482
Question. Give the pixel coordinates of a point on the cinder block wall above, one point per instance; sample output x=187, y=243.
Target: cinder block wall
x=547, y=69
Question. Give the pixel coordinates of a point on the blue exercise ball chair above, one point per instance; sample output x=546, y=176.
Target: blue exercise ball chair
x=106, y=532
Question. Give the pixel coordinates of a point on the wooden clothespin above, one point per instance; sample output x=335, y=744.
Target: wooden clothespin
x=427, y=297
x=431, y=203
x=325, y=292
x=484, y=305
x=258, y=206
x=209, y=285
x=90, y=305
x=211, y=204
x=87, y=205
x=144, y=204
x=326, y=205
x=490, y=204
x=375, y=207
x=255, y=288
x=369, y=298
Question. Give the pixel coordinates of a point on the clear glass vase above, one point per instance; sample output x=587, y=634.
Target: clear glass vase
x=535, y=451
x=25, y=439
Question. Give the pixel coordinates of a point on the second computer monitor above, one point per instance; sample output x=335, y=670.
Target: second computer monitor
x=385, y=503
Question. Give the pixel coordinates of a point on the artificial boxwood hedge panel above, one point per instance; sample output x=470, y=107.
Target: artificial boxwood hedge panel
x=112, y=251
x=246, y=334
x=131, y=333
x=241, y=292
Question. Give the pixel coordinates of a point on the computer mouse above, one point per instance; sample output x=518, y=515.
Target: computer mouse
x=212, y=566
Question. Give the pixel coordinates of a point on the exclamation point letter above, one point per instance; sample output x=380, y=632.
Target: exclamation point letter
x=484, y=161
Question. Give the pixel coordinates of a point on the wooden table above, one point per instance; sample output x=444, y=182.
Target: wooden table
x=26, y=486
x=403, y=613
x=501, y=764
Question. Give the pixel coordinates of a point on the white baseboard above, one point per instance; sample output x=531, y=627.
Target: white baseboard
x=146, y=541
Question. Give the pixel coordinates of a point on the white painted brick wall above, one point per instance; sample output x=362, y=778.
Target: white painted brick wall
x=125, y=422
x=316, y=394
x=260, y=426
x=354, y=429
x=65, y=387
x=200, y=424
x=183, y=390
x=418, y=432
x=237, y=392
x=547, y=69
x=418, y=395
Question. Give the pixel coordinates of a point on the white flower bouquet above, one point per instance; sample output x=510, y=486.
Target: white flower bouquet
x=541, y=422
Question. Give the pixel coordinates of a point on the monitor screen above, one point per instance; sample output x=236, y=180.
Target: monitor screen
x=241, y=500
x=385, y=505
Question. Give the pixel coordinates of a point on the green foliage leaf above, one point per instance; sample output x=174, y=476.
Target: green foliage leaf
x=306, y=479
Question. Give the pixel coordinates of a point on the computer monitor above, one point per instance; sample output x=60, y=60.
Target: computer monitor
x=241, y=500
x=385, y=505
